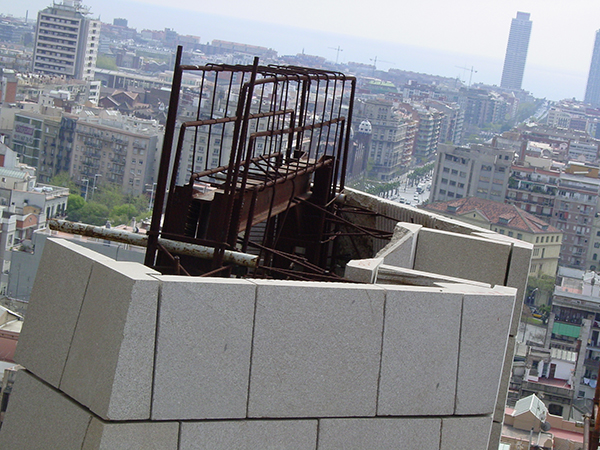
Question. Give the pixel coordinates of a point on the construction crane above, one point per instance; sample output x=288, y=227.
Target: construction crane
x=471, y=69
x=375, y=63
x=338, y=50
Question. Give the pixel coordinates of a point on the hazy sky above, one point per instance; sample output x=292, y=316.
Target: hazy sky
x=435, y=36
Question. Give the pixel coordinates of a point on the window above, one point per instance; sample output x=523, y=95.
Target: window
x=519, y=236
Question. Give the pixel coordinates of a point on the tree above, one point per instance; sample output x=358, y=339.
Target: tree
x=74, y=205
x=110, y=195
x=94, y=213
x=544, y=285
x=63, y=179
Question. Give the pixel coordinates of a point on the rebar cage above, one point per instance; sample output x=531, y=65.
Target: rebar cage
x=253, y=157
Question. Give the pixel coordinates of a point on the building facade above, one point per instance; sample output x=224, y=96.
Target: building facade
x=118, y=150
x=392, y=138
x=516, y=52
x=66, y=41
x=475, y=171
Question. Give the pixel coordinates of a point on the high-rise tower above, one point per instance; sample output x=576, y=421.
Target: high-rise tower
x=592, y=90
x=66, y=41
x=516, y=52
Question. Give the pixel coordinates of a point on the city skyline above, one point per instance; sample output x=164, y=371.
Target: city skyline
x=439, y=38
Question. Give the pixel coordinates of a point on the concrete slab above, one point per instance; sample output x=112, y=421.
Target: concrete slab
x=484, y=338
x=137, y=435
x=203, y=348
x=316, y=349
x=53, y=309
x=400, y=252
x=380, y=434
x=498, y=415
x=40, y=417
x=110, y=363
x=456, y=429
x=249, y=435
x=462, y=256
x=420, y=352
x=495, y=436
x=363, y=270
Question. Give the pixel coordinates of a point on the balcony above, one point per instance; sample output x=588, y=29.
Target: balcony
x=592, y=364
x=558, y=388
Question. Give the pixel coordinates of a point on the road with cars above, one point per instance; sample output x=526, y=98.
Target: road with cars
x=409, y=194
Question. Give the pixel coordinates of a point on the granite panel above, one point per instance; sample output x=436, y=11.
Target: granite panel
x=53, y=310
x=132, y=435
x=249, y=435
x=420, y=352
x=39, y=417
x=110, y=363
x=380, y=434
x=484, y=339
x=462, y=256
x=316, y=350
x=466, y=433
x=203, y=348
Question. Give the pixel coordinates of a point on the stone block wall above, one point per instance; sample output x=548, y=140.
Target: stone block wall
x=124, y=357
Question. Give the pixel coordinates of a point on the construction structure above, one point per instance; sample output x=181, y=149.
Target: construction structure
x=317, y=316
x=267, y=183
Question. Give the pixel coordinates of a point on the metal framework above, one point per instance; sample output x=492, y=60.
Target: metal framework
x=252, y=160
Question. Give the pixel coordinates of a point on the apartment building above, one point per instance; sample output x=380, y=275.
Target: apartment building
x=575, y=325
x=392, y=139
x=110, y=148
x=66, y=41
x=476, y=171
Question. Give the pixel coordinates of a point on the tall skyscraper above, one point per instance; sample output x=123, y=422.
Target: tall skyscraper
x=516, y=52
x=66, y=41
x=592, y=90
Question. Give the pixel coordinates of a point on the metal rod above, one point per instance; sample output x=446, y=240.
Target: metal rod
x=141, y=240
x=163, y=173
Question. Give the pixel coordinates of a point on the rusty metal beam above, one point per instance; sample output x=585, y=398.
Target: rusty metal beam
x=141, y=240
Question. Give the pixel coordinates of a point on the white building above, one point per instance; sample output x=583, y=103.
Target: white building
x=66, y=41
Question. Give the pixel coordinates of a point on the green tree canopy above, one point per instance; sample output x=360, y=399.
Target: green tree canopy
x=63, y=179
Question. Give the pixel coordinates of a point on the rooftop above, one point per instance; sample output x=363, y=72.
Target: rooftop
x=496, y=213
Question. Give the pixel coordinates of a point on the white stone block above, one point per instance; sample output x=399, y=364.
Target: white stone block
x=203, y=348
x=518, y=271
x=249, y=435
x=420, y=352
x=316, y=349
x=400, y=252
x=363, y=270
x=484, y=338
x=131, y=435
x=53, y=309
x=462, y=256
x=466, y=433
x=380, y=434
x=110, y=363
x=40, y=417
